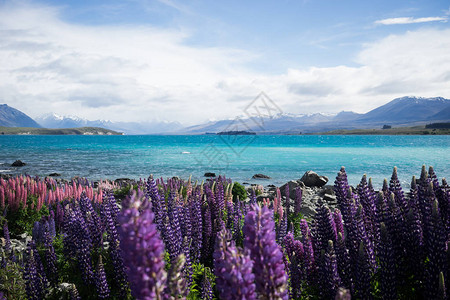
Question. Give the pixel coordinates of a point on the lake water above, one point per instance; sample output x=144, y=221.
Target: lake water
x=239, y=157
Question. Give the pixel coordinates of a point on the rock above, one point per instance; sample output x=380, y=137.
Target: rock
x=330, y=198
x=209, y=174
x=18, y=163
x=124, y=181
x=311, y=179
x=293, y=184
x=95, y=185
x=261, y=176
x=54, y=175
x=265, y=195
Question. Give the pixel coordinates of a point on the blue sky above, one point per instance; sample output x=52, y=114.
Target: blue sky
x=162, y=60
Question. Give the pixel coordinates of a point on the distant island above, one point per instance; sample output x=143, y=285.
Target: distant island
x=241, y=132
x=63, y=131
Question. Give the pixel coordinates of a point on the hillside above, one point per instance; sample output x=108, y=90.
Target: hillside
x=63, y=131
x=11, y=117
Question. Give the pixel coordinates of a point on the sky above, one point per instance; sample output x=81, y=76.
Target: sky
x=197, y=60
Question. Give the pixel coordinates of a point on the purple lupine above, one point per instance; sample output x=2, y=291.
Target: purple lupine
x=298, y=200
x=176, y=285
x=343, y=191
x=109, y=223
x=237, y=224
x=6, y=236
x=187, y=269
x=330, y=278
x=310, y=264
x=270, y=274
x=282, y=228
x=197, y=230
x=414, y=254
x=92, y=220
x=436, y=252
x=143, y=250
x=325, y=228
x=367, y=198
x=207, y=234
x=35, y=285
x=387, y=265
x=295, y=252
x=101, y=284
x=363, y=274
x=253, y=197
x=206, y=292
x=288, y=200
x=73, y=293
x=337, y=217
x=396, y=188
x=51, y=260
x=344, y=266
x=233, y=270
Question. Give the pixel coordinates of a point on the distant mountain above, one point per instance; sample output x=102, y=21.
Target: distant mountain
x=56, y=121
x=11, y=117
x=405, y=111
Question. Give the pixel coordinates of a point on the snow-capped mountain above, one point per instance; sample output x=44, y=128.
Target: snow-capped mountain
x=53, y=120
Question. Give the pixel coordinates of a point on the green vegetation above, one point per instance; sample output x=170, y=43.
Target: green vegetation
x=62, y=131
x=239, y=191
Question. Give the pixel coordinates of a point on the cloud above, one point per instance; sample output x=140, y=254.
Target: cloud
x=144, y=73
x=409, y=20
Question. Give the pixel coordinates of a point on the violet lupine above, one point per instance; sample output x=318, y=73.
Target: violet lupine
x=396, y=188
x=237, y=224
x=282, y=228
x=176, y=285
x=310, y=264
x=437, y=252
x=92, y=220
x=101, y=284
x=51, y=260
x=325, y=228
x=298, y=200
x=387, y=265
x=187, y=269
x=363, y=274
x=270, y=274
x=337, y=217
x=143, y=250
x=35, y=285
x=206, y=292
x=296, y=253
x=367, y=198
x=344, y=265
x=197, y=230
x=414, y=243
x=207, y=234
x=330, y=276
x=73, y=293
x=233, y=270
x=6, y=236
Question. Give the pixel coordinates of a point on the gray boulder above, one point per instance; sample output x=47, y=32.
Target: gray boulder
x=293, y=184
x=260, y=176
x=312, y=179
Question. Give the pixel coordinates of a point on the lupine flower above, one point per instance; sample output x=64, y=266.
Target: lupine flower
x=387, y=266
x=100, y=281
x=143, y=250
x=233, y=270
x=176, y=285
x=325, y=228
x=269, y=270
x=34, y=285
x=6, y=236
x=207, y=292
x=363, y=274
x=330, y=276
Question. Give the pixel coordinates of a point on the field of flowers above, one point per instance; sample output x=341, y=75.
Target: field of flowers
x=175, y=239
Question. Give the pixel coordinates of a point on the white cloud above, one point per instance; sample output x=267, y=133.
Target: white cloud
x=127, y=73
x=409, y=20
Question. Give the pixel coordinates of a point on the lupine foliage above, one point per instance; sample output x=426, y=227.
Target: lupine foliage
x=175, y=239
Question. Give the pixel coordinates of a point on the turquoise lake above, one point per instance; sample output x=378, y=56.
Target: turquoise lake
x=239, y=157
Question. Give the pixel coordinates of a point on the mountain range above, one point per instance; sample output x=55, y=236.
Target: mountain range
x=405, y=111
